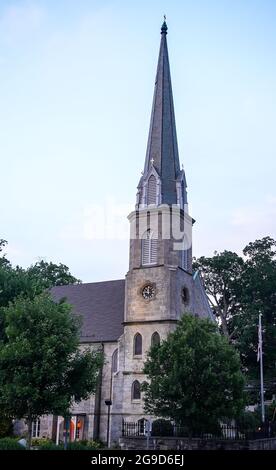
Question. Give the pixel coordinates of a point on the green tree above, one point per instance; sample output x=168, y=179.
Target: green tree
x=195, y=377
x=42, y=369
x=31, y=281
x=238, y=290
x=221, y=276
x=6, y=426
x=15, y=281
x=50, y=274
x=3, y=259
x=257, y=295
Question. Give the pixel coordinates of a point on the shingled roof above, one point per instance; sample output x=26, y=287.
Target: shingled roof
x=101, y=306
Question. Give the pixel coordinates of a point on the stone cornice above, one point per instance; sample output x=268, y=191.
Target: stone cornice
x=141, y=322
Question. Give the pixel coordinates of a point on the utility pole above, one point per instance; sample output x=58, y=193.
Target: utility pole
x=260, y=359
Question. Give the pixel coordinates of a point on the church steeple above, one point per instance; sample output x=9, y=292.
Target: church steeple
x=162, y=149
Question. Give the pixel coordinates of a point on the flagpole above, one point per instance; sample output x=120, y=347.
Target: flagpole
x=260, y=346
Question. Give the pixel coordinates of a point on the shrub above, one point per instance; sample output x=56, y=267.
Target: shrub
x=94, y=445
x=46, y=444
x=249, y=420
x=6, y=426
x=162, y=427
x=49, y=445
x=84, y=445
x=39, y=441
x=9, y=443
x=77, y=445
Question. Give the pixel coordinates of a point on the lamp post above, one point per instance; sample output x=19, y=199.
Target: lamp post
x=108, y=404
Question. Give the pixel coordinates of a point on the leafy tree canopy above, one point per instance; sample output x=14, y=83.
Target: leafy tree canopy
x=222, y=277
x=15, y=281
x=3, y=259
x=42, y=369
x=258, y=295
x=238, y=290
x=195, y=376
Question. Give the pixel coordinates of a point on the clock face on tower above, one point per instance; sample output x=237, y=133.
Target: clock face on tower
x=148, y=292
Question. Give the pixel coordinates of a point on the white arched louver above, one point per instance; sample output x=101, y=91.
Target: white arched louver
x=149, y=248
x=151, y=199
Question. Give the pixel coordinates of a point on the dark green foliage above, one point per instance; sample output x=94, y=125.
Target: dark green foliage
x=76, y=445
x=162, y=427
x=16, y=281
x=9, y=443
x=258, y=295
x=249, y=420
x=50, y=446
x=32, y=281
x=6, y=426
x=39, y=441
x=3, y=259
x=195, y=377
x=41, y=367
x=239, y=289
x=222, y=275
x=50, y=274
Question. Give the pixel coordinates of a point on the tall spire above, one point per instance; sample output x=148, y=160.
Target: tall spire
x=162, y=149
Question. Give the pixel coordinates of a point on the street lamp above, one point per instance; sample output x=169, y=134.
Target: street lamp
x=108, y=404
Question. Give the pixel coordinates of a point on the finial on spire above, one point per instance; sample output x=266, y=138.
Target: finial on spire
x=164, y=27
x=152, y=161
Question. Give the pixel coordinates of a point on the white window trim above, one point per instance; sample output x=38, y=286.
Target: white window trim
x=36, y=428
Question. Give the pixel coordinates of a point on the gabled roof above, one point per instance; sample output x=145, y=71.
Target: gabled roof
x=100, y=305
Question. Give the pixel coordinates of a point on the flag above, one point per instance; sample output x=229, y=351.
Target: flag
x=259, y=339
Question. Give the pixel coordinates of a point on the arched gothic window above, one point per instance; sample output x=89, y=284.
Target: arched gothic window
x=149, y=248
x=137, y=345
x=155, y=339
x=151, y=199
x=136, y=390
x=115, y=361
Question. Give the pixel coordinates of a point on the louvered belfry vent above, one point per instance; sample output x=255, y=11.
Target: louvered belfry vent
x=149, y=248
x=152, y=190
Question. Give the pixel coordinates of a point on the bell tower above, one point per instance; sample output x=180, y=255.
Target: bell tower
x=160, y=285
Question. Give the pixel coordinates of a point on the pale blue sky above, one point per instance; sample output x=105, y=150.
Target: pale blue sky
x=76, y=85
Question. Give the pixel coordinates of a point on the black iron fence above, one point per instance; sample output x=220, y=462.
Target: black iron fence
x=142, y=428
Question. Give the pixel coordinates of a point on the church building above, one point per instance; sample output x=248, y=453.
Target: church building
x=125, y=317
